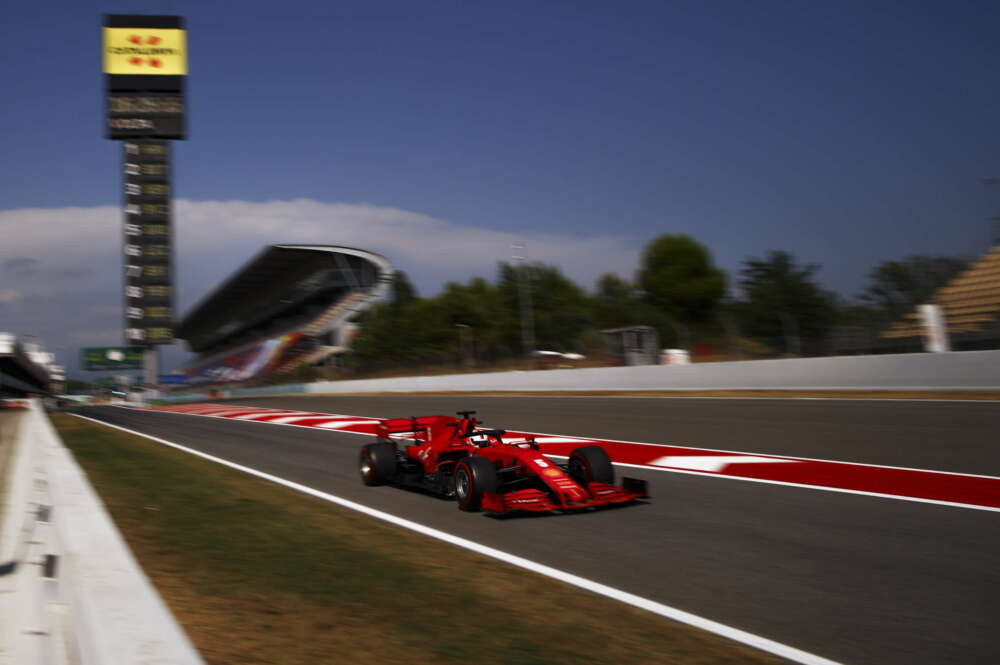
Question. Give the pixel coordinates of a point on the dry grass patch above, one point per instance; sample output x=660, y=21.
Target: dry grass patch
x=257, y=573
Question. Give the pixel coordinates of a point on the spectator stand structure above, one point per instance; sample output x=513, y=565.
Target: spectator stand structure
x=971, y=307
x=26, y=368
x=291, y=305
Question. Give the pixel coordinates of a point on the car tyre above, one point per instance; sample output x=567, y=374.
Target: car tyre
x=591, y=464
x=474, y=476
x=377, y=463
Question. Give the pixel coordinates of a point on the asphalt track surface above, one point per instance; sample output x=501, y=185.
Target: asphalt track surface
x=856, y=579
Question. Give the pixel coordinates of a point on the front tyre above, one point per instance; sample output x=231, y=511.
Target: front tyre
x=474, y=476
x=590, y=464
x=377, y=463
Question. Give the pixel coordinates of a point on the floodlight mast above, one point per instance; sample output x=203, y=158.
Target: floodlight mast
x=524, y=292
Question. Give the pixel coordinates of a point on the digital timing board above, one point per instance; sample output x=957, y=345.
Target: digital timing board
x=145, y=64
x=148, y=247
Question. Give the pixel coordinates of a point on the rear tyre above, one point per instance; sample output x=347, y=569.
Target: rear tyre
x=377, y=464
x=474, y=476
x=590, y=464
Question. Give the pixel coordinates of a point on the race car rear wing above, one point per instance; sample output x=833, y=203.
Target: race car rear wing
x=425, y=428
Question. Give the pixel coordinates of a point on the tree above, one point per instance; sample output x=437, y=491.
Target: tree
x=679, y=279
x=615, y=303
x=478, y=305
x=560, y=309
x=403, y=292
x=783, y=306
x=897, y=287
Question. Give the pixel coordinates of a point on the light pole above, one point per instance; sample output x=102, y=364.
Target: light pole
x=462, y=354
x=527, y=320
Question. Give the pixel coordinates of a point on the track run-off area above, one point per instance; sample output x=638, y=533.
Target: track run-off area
x=868, y=531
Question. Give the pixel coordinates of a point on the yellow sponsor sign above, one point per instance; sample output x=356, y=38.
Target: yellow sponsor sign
x=145, y=51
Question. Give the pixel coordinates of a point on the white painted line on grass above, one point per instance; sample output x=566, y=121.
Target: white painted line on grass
x=735, y=634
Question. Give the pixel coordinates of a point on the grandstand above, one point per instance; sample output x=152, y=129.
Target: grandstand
x=27, y=368
x=289, y=306
x=971, y=307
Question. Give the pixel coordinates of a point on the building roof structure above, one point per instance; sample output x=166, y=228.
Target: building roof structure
x=282, y=284
x=25, y=367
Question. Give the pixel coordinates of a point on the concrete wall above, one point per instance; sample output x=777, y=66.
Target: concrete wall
x=941, y=371
x=964, y=370
x=94, y=606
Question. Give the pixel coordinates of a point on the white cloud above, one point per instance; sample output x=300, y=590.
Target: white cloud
x=63, y=265
x=430, y=249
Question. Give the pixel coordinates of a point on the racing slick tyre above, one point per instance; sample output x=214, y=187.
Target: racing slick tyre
x=591, y=464
x=377, y=464
x=473, y=477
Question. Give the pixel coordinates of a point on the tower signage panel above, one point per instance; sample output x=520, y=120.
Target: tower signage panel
x=148, y=243
x=145, y=64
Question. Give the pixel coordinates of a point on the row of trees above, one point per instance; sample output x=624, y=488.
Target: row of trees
x=779, y=306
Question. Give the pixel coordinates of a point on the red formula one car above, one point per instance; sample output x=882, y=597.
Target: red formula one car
x=455, y=457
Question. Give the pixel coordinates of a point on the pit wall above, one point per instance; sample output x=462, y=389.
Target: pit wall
x=963, y=370
x=71, y=593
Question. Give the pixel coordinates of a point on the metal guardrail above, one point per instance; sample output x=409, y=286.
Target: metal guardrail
x=71, y=593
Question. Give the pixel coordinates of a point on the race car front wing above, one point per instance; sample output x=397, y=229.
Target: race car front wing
x=535, y=500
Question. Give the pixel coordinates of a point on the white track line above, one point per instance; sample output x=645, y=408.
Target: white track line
x=784, y=483
x=735, y=634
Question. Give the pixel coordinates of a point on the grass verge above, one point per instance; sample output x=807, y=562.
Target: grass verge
x=259, y=574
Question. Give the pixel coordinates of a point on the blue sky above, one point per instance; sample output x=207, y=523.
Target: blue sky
x=845, y=132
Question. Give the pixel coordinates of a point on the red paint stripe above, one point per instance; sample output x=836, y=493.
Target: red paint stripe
x=912, y=483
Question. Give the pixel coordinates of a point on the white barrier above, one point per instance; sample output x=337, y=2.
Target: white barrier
x=966, y=370
x=73, y=593
x=963, y=370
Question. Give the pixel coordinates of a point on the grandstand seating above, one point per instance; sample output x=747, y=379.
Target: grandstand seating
x=286, y=307
x=307, y=358
x=327, y=319
x=970, y=302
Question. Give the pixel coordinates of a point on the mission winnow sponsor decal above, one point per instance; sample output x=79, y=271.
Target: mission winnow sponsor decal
x=959, y=489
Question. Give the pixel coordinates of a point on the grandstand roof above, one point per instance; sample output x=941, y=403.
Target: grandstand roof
x=970, y=302
x=277, y=280
x=19, y=372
